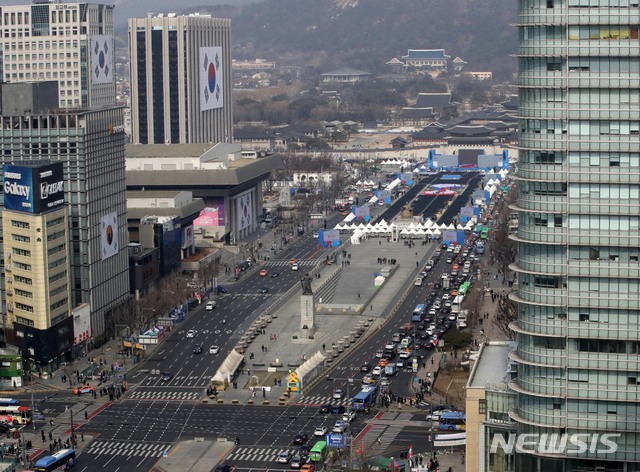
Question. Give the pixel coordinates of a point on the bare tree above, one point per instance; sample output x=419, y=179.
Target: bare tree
x=472, y=303
x=506, y=313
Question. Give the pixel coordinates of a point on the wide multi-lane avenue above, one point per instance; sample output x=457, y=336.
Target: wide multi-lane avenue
x=132, y=434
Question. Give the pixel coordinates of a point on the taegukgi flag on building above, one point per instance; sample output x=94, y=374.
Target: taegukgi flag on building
x=211, y=90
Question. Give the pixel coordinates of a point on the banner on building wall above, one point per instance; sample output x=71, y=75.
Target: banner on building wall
x=245, y=212
x=109, y=235
x=212, y=215
x=211, y=90
x=102, y=50
x=81, y=323
x=187, y=237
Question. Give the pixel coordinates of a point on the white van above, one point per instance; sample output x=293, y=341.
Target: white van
x=418, y=282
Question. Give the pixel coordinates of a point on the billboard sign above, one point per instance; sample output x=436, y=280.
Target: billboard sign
x=449, y=236
x=363, y=213
x=211, y=89
x=338, y=441
x=33, y=189
x=187, y=237
x=469, y=212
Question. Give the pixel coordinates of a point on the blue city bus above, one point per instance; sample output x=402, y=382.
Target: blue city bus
x=63, y=458
x=418, y=313
x=453, y=421
x=366, y=398
x=9, y=402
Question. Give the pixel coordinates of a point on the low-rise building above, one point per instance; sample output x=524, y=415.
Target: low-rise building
x=487, y=408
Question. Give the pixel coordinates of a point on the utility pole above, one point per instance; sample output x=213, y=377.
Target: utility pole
x=33, y=412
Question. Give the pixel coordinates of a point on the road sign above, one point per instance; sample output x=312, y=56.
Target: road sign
x=336, y=440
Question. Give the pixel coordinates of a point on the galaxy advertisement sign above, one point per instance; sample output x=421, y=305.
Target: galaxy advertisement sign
x=33, y=189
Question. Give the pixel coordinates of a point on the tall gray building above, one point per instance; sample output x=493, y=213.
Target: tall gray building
x=90, y=144
x=70, y=43
x=578, y=263
x=180, y=79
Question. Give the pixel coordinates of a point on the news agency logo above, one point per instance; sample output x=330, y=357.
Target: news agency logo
x=578, y=443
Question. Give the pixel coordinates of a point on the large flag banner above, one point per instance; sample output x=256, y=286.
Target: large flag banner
x=245, y=212
x=109, y=235
x=211, y=90
x=102, y=50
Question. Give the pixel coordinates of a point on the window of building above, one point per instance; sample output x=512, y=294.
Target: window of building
x=482, y=407
x=19, y=224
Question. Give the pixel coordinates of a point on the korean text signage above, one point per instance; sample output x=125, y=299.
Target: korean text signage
x=33, y=189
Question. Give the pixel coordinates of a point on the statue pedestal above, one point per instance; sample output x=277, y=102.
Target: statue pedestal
x=307, y=321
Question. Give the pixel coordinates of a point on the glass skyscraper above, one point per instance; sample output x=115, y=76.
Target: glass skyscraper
x=578, y=296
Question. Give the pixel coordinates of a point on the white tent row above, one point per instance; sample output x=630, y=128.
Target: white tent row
x=309, y=366
x=228, y=368
x=357, y=236
x=366, y=183
x=394, y=162
x=394, y=184
x=380, y=227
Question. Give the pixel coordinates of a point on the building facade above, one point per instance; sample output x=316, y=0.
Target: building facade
x=90, y=145
x=181, y=85
x=578, y=264
x=37, y=271
x=71, y=43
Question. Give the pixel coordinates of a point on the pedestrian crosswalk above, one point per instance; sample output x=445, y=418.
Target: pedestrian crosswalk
x=287, y=263
x=128, y=448
x=166, y=395
x=259, y=454
x=379, y=436
x=318, y=400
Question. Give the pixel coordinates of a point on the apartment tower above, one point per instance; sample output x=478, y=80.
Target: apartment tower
x=578, y=296
x=180, y=79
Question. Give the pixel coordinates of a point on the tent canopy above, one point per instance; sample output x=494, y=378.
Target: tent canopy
x=228, y=367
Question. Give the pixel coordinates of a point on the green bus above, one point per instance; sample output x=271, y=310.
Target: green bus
x=318, y=451
x=464, y=288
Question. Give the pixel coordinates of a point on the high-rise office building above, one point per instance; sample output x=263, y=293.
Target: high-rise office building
x=36, y=262
x=180, y=79
x=90, y=144
x=578, y=263
x=71, y=43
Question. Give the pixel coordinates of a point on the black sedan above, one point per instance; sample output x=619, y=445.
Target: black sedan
x=263, y=290
x=300, y=438
x=366, y=367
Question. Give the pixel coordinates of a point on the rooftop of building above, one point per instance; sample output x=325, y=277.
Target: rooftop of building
x=425, y=54
x=346, y=71
x=434, y=100
x=492, y=365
